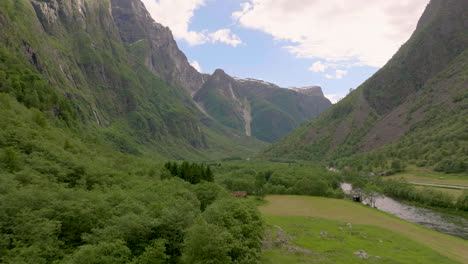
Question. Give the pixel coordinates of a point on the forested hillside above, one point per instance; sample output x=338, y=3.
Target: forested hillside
x=85, y=124
x=414, y=109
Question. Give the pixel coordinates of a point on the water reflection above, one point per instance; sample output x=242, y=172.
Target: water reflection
x=454, y=225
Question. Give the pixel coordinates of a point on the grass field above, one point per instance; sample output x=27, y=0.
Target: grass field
x=454, y=192
x=425, y=175
x=408, y=239
x=308, y=243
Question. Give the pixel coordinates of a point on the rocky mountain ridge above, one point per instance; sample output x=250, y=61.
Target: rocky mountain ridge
x=258, y=108
x=309, y=90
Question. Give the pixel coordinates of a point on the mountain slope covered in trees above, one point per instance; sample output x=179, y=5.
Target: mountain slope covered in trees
x=414, y=109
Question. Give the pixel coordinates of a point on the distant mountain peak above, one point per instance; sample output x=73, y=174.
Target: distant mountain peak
x=309, y=90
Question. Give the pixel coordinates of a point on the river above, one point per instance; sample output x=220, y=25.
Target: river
x=450, y=224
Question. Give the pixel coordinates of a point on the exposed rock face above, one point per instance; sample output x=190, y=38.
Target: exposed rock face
x=55, y=13
x=258, y=108
x=309, y=90
x=119, y=66
x=163, y=56
x=89, y=50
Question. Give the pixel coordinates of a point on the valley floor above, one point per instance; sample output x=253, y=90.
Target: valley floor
x=304, y=229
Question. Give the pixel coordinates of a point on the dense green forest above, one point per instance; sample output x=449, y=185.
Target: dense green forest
x=70, y=199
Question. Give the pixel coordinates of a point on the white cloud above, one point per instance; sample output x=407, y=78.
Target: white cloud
x=177, y=15
x=349, y=33
x=196, y=65
x=225, y=36
x=318, y=67
x=339, y=74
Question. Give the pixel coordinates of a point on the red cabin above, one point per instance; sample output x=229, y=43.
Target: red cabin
x=240, y=194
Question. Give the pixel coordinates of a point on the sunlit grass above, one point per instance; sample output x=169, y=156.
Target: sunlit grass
x=357, y=214
x=340, y=242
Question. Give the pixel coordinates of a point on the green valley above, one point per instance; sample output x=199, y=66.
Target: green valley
x=115, y=148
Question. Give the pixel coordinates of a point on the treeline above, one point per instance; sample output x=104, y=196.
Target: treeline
x=190, y=172
x=428, y=197
x=276, y=178
x=407, y=192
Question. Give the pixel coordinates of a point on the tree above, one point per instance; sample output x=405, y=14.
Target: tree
x=10, y=159
x=114, y=252
x=243, y=222
x=153, y=254
x=371, y=193
x=397, y=166
x=209, y=175
x=208, y=192
x=207, y=244
x=191, y=172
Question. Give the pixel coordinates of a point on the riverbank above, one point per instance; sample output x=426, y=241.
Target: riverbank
x=357, y=214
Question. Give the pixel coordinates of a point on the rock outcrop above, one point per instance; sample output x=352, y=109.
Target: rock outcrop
x=163, y=56
x=309, y=90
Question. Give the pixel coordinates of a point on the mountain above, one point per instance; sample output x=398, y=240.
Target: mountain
x=106, y=68
x=415, y=108
x=309, y=90
x=258, y=108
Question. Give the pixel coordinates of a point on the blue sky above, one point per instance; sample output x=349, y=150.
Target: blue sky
x=330, y=43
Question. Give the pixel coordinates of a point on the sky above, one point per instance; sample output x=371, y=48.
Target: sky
x=336, y=44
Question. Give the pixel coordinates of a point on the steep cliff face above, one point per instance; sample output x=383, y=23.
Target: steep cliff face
x=416, y=101
x=106, y=66
x=162, y=55
x=258, y=108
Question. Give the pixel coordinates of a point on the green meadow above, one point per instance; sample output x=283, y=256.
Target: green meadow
x=305, y=229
